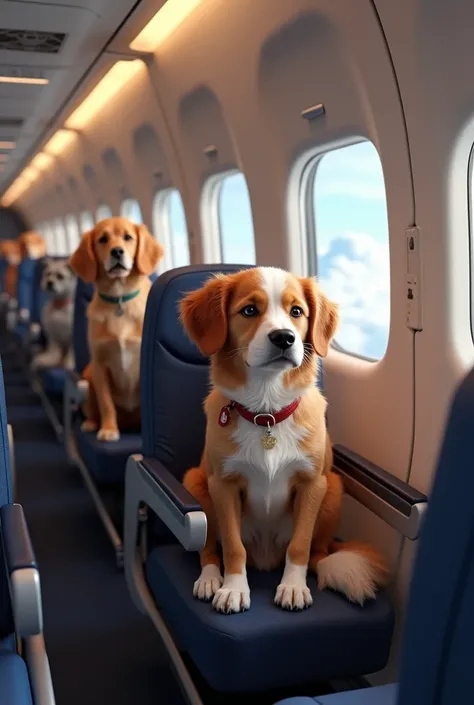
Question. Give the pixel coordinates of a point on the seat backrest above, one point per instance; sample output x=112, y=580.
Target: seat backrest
x=26, y=283
x=82, y=299
x=3, y=269
x=174, y=376
x=6, y=497
x=436, y=666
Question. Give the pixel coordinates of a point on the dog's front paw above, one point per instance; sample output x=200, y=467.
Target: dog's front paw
x=89, y=426
x=108, y=434
x=233, y=596
x=208, y=582
x=293, y=597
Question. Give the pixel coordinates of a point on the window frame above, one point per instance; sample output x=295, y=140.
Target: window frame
x=60, y=250
x=309, y=241
x=71, y=217
x=126, y=206
x=99, y=208
x=161, y=223
x=80, y=219
x=211, y=220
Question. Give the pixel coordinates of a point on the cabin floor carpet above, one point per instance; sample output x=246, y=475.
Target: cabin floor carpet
x=101, y=649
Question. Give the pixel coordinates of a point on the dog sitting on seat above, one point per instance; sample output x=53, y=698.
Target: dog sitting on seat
x=118, y=257
x=58, y=281
x=265, y=481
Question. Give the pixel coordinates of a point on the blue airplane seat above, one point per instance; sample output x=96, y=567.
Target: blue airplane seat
x=265, y=647
x=27, y=277
x=3, y=269
x=21, y=683
x=436, y=661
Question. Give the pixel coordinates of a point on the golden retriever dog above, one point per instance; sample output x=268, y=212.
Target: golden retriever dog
x=118, y=257
x=266, y=482
x=32, y=245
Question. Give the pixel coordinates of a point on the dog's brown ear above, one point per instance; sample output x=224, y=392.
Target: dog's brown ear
x=323, y=317
x=83, y=261
x=204, y=314
x=149, y=251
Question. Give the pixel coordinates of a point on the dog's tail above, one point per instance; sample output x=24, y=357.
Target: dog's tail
x=354, y=568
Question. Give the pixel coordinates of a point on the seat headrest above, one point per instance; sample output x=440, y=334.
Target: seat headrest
x=174, y=376
x=82, y=299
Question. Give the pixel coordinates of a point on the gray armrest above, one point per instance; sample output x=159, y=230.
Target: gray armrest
x=77, y=388
x=148, y=482
x=22, y=571
x=25, y=589
x=393, y=500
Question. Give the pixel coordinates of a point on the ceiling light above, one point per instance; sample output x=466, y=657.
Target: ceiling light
x=59, y=141
x=7, y=145
x=30, y=174
x=41, y=161
x=15, y=191
x=22, y=79
x=112, y=82
x=163, y=24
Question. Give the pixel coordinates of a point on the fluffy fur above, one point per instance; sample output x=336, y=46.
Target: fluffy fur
x=118, y=256
x=59, y=282
x=278, y=507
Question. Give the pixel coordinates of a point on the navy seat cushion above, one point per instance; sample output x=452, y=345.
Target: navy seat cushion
x=333, y=639
x=14, y=680
x=381, y=695
x=106, y=461
x=53, y=379
x=21, y=331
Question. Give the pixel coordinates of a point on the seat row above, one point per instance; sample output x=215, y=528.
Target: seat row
x=164, y=527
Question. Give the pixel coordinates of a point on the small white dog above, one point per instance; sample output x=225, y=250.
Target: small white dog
x=59, y=282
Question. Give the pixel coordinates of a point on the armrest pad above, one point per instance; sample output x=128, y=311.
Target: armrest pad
x=394, y=491
x=74, y=377
x=179, y=495
x=16, y=538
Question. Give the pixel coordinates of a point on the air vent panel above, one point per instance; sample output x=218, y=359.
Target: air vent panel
x=31, y=41
x=11, y=122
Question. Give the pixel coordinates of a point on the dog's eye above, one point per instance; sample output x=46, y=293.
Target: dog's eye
x=103, y=239
x=127, y=237
x=296, y=312
x=249, y=311
x=60, y=277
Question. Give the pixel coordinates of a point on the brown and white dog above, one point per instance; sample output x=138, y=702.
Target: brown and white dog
x=11, y=251
x=265, y=481
x=118, y=256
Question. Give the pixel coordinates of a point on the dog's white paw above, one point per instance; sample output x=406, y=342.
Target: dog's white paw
x=208, y=582
x=108, y=434
x=293, y=597
x=89, y=426
x=233, y=596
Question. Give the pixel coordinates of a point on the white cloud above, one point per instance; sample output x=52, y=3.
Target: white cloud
x=355, y=272
x=352, y=187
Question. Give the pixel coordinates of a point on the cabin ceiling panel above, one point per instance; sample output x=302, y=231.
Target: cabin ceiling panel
x=55, y=42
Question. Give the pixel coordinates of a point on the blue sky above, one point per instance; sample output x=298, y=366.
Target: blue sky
x=351, y=227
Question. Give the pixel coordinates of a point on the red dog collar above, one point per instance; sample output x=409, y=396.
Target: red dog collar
x=60, y=303
x=260, y=419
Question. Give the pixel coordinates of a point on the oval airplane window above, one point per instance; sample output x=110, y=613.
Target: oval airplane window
x=236, y=232
x=352, y=245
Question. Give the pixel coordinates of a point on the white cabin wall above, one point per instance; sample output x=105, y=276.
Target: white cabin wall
x=393, y=412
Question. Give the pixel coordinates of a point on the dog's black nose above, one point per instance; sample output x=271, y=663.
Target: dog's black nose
x=282, y=339
x=116, y=252
x=49, y=285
